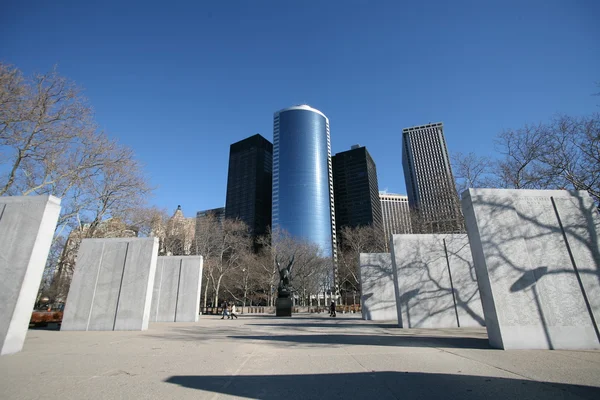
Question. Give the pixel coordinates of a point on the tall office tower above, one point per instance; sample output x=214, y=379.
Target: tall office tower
x=302, y=179
x=355, y=189
x=249, y=183
x=396, y=215
x=429, y=181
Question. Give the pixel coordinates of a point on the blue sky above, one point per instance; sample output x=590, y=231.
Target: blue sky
x=180, y=81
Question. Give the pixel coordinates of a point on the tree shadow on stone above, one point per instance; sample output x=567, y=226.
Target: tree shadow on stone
x=377, y=286
x=437, y=282
x=561, y=233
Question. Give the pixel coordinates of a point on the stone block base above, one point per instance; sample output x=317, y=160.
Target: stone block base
x=283, y=307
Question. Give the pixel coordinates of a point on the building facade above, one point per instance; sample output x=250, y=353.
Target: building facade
x=218, y=213
x=178, y=236
x=303, y=204
x=396, y=215
x=355, y=189
x=429, y=180
x=249, y=181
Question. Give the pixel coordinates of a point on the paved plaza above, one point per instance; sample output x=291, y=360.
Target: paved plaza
x=304, y=357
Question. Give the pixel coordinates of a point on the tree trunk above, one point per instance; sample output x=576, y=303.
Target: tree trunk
x=206, y=290
x=217, y=290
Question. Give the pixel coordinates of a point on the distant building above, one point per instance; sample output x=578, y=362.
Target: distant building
x=303, y=204
x=178, y=238
x=429, y=180
x=203, y=228
x=249, y=183
x=355, y=188
x=218, y=213
x=302, y=177
x=396, y=215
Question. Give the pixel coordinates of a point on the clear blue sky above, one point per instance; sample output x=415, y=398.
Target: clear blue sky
x=179, y=82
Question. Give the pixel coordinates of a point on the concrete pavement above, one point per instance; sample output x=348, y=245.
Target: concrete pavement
x=304, y=357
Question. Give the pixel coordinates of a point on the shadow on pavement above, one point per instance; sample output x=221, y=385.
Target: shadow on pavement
x=382, y=385
x=375, y=340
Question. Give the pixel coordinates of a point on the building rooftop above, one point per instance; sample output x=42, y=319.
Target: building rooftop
x=429, y=125
x=304, y=107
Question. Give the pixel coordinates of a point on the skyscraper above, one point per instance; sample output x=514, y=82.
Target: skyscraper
x=355, y=189
x=396, y=215
x=218, y=213
x=429, y=181
x=249, y=183
x=302, y=179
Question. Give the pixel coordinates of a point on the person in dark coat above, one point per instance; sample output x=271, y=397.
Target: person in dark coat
x=332, y=309
x=225, y=311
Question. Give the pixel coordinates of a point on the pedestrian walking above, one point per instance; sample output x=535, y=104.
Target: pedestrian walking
x=233, y=311
x=332, y=309
x=225, y=312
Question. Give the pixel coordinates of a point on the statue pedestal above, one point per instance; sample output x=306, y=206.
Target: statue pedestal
x=283, y=307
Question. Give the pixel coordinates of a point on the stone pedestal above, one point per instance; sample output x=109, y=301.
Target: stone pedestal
x=537, y=256
x=435, y=281
x=283, y=307
x=176, y=296
x=27, y=225
x=378, y=297
x=112, y=285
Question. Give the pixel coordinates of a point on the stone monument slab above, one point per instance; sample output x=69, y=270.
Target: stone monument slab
x=538, y=266
x=176, y=296
x=27, y=225
x=112, y=285
x=283, y=307
x=378, y=296
x=435, y=282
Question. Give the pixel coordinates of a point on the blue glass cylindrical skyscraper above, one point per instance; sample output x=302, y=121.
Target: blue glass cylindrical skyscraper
x=302, y=177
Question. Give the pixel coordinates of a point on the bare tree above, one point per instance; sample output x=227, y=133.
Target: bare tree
x=311, y=270
x=224, y=246
x=572, y=153
x=353, y=241
x=149, y=221
x=247, y=284
x=472, y=171
x=266, y=272
x=561, y=154
x=50, y=144
x=41, y=121
x=521, y=167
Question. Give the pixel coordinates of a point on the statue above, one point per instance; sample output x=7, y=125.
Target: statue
x=284, y=290
x=285, y=274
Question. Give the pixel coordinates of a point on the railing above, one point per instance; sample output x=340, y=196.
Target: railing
x=271, y=310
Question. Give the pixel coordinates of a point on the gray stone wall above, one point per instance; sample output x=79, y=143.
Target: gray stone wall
x=112, y=285
x=27, y=226
x=538, y=266
x=378, y=297
x=435, y=281
x=176, y=296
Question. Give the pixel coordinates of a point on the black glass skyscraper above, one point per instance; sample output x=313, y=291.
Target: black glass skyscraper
x=249, y=183
x=355, y=188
